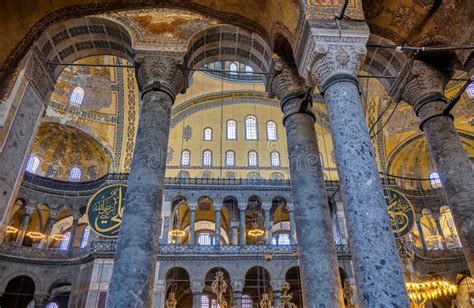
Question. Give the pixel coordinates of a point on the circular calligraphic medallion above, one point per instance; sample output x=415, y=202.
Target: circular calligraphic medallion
x=105, y=209
x=400, y=211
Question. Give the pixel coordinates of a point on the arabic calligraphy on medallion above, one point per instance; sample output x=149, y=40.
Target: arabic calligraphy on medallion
x=400, y=211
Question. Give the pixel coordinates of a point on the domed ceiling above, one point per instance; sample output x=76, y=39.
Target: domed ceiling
x=61, y=148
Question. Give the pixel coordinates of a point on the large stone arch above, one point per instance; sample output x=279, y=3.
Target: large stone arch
x=15, y=272
x=229, y=43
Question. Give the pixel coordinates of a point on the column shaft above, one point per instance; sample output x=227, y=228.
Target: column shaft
x=72, y=234
x=192, y=221
x=422, y=235
x=292, y=227
x=217, y=230
x=25, y=220
x=242, y=227
x=137, y=246
x=440, y=233
x=377, y=266
x=268, y=227
x=197, y=300
x=320, y=280
x=455, y=171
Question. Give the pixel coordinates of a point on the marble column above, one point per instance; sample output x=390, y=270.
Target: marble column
x=440, y=231
x=49, y=228
x=25, y=220
x=27, y=103
x=422, y=235
x=425, y=92
x=237, y=288
x=40, y=300
x=320, y=280
x=268, y=222
x=217, y=229
x=243, y=232
x=160, y=79
x=332, y=60
x=192, y=222
x=196, y=289
x=72, y=236
x=291, y=213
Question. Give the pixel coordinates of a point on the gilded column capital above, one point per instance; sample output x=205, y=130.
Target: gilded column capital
x=283, y=79
x=425, y=83
x=328, y=51
x=160, y=73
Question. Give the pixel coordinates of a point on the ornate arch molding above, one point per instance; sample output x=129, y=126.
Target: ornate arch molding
x=392, y=156
x=383, y=61
x=227, y=98
x=229, y=43
x=79, y=38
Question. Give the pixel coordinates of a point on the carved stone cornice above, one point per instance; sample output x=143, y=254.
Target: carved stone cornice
x=328, y=50
x=160, y=73
x=283, y=79
x=425, y=83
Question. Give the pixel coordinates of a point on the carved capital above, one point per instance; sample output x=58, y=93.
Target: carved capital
x=29, y=210
x=192, y=206
x=242, y=206
x=160, y=73
x=425, y=83
x=238, y=285
x=328, y=51
x=266, y=206
x=196, y=286
x=284, y=80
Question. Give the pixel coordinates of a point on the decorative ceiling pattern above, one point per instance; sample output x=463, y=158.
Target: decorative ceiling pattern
x=163, y=29
x=61, y=148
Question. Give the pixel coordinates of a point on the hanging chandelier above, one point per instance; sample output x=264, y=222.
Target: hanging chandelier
x=265, y=302
x=176, y=233
x=11, y=230
x=171, y=301
x=219, y=287
x=35, y=235
x=59, y=237
x=420, y=292
x=285, y=297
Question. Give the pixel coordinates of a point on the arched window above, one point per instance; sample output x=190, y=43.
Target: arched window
x=65, y=242
x=470, y=90
x=207, y=175
x=277, y=176
x=231, y=130
x=251, y=128
x=52, y=305
x=85, y=236
x=32, y=164
x=77, y=96
x=75, y=174
x=253, y=176
x=207, y=158
x=204, y=238
x=252, y=159
x=230, y=158
x=248, y=69
x=230, y=175
x=207, y=134
x=233, y=68
x=275, y=159
x=183, y=174
x=185, y=158
x=448, y=228
x=435, y=181
x=272, y=131
x=247, y=301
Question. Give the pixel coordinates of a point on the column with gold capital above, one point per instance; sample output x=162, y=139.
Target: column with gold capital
x=160, y=79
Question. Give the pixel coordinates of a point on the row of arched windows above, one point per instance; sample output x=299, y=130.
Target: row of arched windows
x=33, y=163
x=67, y=238
x=251, y=130
x=206, y=302
x=252, y=158
x=231, y=175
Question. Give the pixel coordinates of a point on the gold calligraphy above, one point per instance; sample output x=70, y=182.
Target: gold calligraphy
x=105, y=210
x=400, y=211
